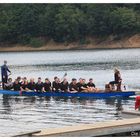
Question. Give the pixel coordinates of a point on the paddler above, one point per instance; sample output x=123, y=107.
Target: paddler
x=19, y=80
x=91, y=86
x=117, y=80
x=39, y=85
x=90, y=83
x=31, y=85
x=9, y=84
x=73, y=86
x=80, y=84
x=84, y=86
x=4, y=73
x=64, y=85
x=47, y=86
x=24, y=83
x=56, y=85
x=16, y=85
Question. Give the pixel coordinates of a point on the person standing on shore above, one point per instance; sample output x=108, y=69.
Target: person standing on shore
x=4, y=73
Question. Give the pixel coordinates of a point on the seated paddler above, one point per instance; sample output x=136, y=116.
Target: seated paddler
x=31, y=85
x=47, y=86
x=39, y=85
x=73, y=87
x=9, y=84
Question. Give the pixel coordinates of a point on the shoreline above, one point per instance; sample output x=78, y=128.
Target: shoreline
x=61, y=50
x=125, y=43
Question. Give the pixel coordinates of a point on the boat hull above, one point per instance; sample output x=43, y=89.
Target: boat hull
x=67, y=94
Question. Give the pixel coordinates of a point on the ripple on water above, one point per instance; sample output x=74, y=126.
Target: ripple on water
x=50, y=113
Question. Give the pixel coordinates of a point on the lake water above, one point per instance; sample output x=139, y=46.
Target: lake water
x=19, y=114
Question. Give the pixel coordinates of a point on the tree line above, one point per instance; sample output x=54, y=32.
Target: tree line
x=36, y=23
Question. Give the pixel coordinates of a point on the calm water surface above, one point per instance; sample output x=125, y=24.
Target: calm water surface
x=19, y=114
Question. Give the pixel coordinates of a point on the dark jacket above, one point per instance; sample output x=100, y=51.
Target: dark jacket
x=64, y=87
x=57, y=86
x=31, y=86
x=72, y=86
x=39, y=86
x=4, y=70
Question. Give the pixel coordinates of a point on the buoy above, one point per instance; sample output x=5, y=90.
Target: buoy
x=137, y=103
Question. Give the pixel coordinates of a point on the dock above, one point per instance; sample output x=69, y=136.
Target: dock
x=130, y=114
x=125, y=127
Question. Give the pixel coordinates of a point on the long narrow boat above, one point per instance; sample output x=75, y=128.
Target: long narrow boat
x=67, y=94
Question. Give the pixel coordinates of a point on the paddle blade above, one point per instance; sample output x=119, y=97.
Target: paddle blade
x=65, y=74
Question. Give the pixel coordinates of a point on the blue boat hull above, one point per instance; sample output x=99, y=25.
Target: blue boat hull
x=67, y=94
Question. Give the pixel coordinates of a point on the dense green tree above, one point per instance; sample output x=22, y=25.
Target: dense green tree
x=47, y=20
x=27, y=23
x=98, y=18
x=123, y=20
x=68, y=23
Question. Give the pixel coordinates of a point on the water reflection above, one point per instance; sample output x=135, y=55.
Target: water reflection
x=119, y=105
x=110, y=101
x=46, y=112
x=6, y=104
x=119, y=108
x=29, y=99
x=9, y=101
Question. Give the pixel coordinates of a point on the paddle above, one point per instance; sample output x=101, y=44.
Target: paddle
x=64, y=76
